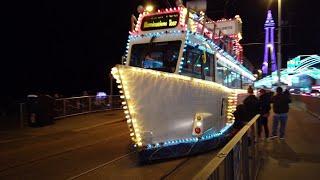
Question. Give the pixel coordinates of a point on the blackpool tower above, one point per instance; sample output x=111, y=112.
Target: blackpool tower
x=269, y=49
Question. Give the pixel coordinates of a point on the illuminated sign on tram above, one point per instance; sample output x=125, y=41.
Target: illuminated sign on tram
x=160, y=21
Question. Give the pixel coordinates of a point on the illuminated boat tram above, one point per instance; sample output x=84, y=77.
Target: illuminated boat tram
x=179, y=84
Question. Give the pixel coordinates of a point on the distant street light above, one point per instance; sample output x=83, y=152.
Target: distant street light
x=259, y=73
x=149, y=8
x=279, y=40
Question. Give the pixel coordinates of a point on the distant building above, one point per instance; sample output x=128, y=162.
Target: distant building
x=269, y=49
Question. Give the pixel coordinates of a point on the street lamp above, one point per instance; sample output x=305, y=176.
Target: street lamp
x=149, y=8
x=259, y=73
x=279, y=41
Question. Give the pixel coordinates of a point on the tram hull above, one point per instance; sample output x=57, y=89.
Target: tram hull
x=172, y=115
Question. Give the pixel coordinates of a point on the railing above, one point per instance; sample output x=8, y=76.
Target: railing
x=65, y=107
x=85, y=104
x=308, y=103
x=239, y=159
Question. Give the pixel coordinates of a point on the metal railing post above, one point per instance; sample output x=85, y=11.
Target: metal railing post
x=21, y=115
x=90, y=101
x=64, y=107
x=111, y=91
x=230, y=166
x=245, y=156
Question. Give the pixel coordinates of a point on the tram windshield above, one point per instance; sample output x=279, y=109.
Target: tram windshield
x=161, y=56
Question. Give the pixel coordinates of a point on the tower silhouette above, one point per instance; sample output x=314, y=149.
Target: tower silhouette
x=269, y=49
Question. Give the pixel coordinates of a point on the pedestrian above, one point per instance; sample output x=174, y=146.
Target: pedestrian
x=287, y=93
x=251, y=104
x=280, y=108
x=264, y=109
x=240, y=117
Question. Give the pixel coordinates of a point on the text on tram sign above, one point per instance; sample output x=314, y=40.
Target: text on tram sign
x=160, y=21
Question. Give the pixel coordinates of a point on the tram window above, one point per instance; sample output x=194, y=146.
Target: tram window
x=194, y=65
x=234, y=80
x=221, y=74
x=161, y=56
x=191, y=66
x=207, y=65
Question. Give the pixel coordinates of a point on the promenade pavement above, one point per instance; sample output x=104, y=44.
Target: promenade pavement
x=298, y=156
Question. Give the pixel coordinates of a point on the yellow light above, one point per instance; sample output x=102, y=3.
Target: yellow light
x=199, y=124
x=149, y=8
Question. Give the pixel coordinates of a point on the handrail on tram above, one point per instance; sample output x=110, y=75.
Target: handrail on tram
x=221, y=156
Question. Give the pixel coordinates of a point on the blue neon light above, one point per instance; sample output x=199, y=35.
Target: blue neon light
x=207, y=136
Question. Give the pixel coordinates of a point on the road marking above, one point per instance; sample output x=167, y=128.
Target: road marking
x=75, y=130
x=100, y=166
x=15, y=139
x=59, y=153
x=97, y=125
x=45, y=134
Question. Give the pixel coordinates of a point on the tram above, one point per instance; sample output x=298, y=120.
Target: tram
x=179, y=83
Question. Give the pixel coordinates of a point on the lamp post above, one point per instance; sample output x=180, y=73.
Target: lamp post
x=279, y=41
x=259, y=73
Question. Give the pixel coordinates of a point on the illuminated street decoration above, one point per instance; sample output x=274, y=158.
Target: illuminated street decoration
x=269, y=46
x=306, y=65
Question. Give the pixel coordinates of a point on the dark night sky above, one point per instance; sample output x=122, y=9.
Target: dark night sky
x=70, y=46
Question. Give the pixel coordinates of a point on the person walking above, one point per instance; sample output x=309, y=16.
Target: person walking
x=280, y=108
x=264, y=106
x=251, y=104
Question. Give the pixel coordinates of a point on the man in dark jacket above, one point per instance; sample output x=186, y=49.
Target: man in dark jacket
x=264, y=105
x=251, y=104
x=240, y=115
x=280, y=108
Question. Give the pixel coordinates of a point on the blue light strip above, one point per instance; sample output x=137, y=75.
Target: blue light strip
x=207, y=136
